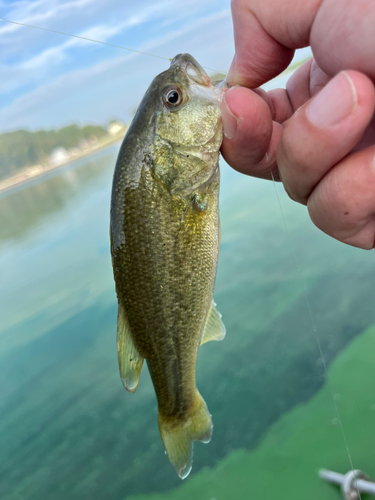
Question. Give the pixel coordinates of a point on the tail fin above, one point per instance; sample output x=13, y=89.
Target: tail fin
x=178, y=436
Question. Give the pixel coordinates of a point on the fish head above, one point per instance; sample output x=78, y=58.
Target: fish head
x=180, y=121
x=188, y=114
x=177, y=130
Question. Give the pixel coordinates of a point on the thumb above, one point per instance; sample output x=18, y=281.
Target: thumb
x=323, y=131
x=248, y=132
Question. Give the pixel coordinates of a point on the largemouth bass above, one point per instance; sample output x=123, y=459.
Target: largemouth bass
x=165, y=245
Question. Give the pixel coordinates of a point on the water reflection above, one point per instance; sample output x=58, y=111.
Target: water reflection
x=27, y=205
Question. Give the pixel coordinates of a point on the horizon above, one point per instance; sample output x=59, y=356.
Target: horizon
x=104, y=125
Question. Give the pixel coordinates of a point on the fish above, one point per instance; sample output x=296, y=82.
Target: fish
x=165, y=238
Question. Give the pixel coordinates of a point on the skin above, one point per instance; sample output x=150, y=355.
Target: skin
x=328, y=166
x=165, y=244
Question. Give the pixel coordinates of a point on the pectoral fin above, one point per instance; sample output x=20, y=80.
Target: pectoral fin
x=214, y=329
x=129, y=360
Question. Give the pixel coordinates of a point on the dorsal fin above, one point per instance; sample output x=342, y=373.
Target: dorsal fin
x=214, y=329
x=129, y=360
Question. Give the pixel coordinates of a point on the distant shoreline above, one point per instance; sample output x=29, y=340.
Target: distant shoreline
x=30, y=173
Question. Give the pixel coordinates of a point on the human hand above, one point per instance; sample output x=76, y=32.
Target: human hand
x=318, y=135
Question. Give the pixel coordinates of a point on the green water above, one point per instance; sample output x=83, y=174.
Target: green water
x=302, y=441
x=68, y=429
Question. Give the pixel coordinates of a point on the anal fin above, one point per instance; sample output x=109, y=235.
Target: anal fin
x=129, y=360
x=214, y=329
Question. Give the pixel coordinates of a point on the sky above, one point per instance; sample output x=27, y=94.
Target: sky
x=49, y=80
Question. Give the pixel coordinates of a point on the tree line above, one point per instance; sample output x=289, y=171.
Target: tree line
x=22, y=148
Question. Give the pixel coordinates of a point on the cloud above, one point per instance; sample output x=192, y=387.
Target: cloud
x=101, y=32
x=29, y=59
x=39, y=12
x=113, y=87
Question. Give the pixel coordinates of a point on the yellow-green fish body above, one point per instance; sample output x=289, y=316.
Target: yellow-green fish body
x=165, y=246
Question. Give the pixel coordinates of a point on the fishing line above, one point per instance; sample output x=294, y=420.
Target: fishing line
x=83, y=38
x=96, y=41
x=314, y=328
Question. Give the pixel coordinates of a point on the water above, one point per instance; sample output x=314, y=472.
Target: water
x=69, y=430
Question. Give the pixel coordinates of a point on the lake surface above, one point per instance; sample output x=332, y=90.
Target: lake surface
x=68, y=429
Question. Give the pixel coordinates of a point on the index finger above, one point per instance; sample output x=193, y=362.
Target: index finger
x=266, y=35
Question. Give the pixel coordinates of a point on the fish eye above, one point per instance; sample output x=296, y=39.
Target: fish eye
x=172, y=97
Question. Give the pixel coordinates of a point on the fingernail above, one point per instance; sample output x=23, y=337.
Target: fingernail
x=229, y=120
x=232, y=70
x=335, y=102
x=373, y=164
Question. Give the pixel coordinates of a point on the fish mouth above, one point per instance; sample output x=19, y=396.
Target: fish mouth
x=191, y=68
